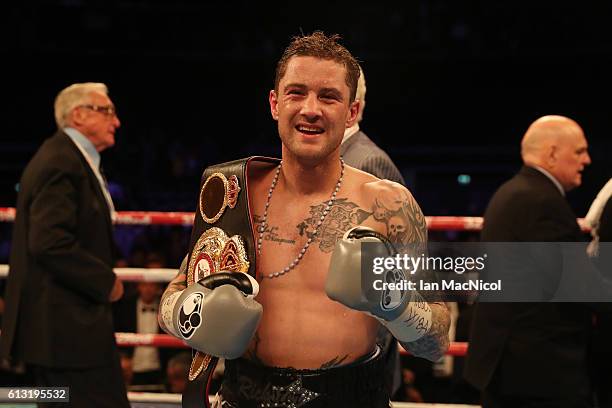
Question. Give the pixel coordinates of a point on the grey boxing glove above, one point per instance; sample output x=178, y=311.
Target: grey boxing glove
x=217, y=315
x=352, y=282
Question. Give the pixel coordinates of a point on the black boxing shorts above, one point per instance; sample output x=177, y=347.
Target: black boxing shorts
x=358, y=384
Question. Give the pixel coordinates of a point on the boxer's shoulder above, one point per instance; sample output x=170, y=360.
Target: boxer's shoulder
x=386, y=193
x=367, y=186
x=395, y=212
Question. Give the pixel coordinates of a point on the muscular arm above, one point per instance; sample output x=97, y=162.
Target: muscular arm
x=434, y=343
x=405, y=224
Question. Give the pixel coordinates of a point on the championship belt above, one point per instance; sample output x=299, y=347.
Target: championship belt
x=222, y=239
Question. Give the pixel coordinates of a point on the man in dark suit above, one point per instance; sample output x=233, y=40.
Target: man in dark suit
x=534, y=354
x=61, y=283
x=359, y=151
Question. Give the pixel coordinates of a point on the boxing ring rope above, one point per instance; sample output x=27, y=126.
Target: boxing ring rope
x=434, y=223
x=147, y=397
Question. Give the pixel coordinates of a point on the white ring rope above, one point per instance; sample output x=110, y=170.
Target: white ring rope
x=128, y=274
x=150, y=397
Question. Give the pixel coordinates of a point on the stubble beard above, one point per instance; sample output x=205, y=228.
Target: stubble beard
x=308, y=155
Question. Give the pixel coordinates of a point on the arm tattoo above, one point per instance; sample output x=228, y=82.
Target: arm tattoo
x=342, y=216
x=433, y=345
x=177, y=284
x=334, y=362
x=407, y=225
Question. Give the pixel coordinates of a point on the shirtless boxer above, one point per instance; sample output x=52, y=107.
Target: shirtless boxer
x=309, y=350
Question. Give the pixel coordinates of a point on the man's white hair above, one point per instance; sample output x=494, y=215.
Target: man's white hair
x=360, y=94
x=73, y=96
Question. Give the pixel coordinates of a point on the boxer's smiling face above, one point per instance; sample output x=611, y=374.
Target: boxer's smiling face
x=312, y=107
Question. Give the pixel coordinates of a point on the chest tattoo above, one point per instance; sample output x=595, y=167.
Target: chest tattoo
x=271, y=232
x=342, y=216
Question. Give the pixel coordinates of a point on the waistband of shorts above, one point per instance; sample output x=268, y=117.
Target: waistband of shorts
x=366, y=373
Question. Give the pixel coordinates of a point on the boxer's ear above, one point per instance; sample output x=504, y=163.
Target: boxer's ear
x=273, y=104
x=353, y=113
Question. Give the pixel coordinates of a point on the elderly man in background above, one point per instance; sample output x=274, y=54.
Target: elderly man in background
x=61, y=283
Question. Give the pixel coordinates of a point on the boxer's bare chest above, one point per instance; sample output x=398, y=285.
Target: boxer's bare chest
x=292, y=229
x=301, y=326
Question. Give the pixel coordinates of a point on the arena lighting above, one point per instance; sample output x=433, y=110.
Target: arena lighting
x=464, y=179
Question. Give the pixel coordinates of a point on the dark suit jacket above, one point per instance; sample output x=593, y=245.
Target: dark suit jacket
x=57, y=308
x=362, y=153
x=530, y=349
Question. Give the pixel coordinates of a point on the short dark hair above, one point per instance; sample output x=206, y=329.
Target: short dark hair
x=321, y=46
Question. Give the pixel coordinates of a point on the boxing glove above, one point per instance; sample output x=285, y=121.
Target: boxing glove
x=351, y=281
x=217, y=315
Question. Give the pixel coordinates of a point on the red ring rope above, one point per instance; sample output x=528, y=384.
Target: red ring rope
x=434, y=223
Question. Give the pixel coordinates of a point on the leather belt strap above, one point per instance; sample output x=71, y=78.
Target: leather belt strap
x=224, y=204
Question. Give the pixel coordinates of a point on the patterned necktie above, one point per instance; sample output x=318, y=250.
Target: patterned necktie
x=103, y=175
x=106, y=191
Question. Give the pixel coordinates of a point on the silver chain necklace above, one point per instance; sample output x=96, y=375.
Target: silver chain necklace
x=300, y=255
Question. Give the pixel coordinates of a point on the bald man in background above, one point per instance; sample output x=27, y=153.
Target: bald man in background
x=535, y=354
